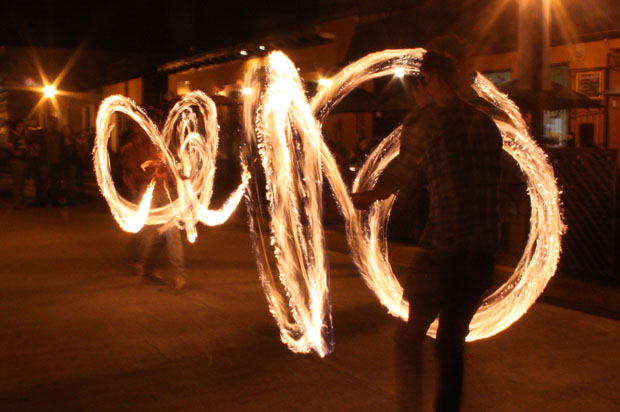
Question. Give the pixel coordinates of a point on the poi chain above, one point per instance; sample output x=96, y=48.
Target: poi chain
x=283, y=132
x=192, y=167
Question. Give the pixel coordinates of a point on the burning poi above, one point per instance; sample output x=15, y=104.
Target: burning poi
x=192, y=166
x=283, y=130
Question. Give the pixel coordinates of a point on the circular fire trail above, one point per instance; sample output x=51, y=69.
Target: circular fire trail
x=282, y=126
x=285, y=154
x=192, y=167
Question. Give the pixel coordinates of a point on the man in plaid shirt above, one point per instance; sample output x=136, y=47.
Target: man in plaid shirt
x=452, y=151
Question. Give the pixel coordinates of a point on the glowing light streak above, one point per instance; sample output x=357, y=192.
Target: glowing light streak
x=283, y=138
x=280, y=125
x=192, y=167
x=324, y=82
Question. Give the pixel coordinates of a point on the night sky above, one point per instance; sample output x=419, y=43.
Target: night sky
x=177, y=27
x=181, y=27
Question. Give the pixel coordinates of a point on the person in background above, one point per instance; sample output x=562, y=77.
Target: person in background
x=69, y=159
x=52, y=159
x=18, y=147
x=38, y=165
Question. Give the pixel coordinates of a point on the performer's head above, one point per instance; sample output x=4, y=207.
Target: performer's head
x=439, y=75
x=418, y=88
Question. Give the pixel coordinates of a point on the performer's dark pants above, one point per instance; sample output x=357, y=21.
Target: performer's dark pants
x=448, y=285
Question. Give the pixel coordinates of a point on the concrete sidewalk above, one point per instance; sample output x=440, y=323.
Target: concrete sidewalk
x=80, y=333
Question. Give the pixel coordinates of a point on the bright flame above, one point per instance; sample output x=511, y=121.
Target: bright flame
x=288, y=140
x=283, y=135
x=192, y=167
x=49, y=91
x=324, y=82
x=399, y=72
x=294, y=157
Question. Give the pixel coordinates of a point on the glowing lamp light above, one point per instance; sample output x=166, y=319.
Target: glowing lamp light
x=243, y=53
x=261, y=47
x=324, y=82
x=49, y=91
x=399, y=72
x=246, y=91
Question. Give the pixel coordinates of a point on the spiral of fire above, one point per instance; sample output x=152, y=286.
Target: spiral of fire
x=283, y=150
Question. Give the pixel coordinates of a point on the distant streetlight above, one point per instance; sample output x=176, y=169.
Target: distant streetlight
x=49, y=91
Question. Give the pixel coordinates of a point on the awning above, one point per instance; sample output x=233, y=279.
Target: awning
x=614, y=91
x=294, y=40
x=392, y=97
x=558, y=98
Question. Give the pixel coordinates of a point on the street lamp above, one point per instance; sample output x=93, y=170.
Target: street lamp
x=49, y=91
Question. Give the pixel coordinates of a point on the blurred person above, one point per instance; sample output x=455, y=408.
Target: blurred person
x=362, y=148
x=38, y=165
x=83, y=162
x=141, y=164
x=18, y=146
x=453, y=152
x=52, y=159
x=69, y=159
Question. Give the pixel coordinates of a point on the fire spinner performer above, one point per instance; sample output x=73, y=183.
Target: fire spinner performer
x=283, y=137
x=453, y=151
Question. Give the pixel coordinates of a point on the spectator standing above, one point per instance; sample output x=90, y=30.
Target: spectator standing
x=38, y=165
x=18, y=162
x=53, y=146
x=69, y=160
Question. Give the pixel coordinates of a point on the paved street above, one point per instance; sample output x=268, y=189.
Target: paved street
x=79, y=332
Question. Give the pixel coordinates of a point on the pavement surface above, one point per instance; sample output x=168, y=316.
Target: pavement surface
x=80, y=332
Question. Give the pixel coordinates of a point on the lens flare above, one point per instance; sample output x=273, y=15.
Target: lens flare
x=49, y=91
x=192, y=167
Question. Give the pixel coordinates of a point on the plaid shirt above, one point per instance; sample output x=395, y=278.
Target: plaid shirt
x=454, y=152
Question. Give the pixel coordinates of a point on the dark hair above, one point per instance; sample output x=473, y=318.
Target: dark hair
x=416, y=80
x=441, y=65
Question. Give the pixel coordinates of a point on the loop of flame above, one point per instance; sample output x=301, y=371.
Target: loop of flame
x=284, y=128
x=192, y=167
x=283, y=147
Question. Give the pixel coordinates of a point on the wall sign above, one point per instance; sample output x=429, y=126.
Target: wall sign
x=590, y=83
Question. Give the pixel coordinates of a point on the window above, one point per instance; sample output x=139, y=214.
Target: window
x=557, y=121
x=499, y=77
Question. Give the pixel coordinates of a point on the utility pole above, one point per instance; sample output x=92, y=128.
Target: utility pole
x=533, y=57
